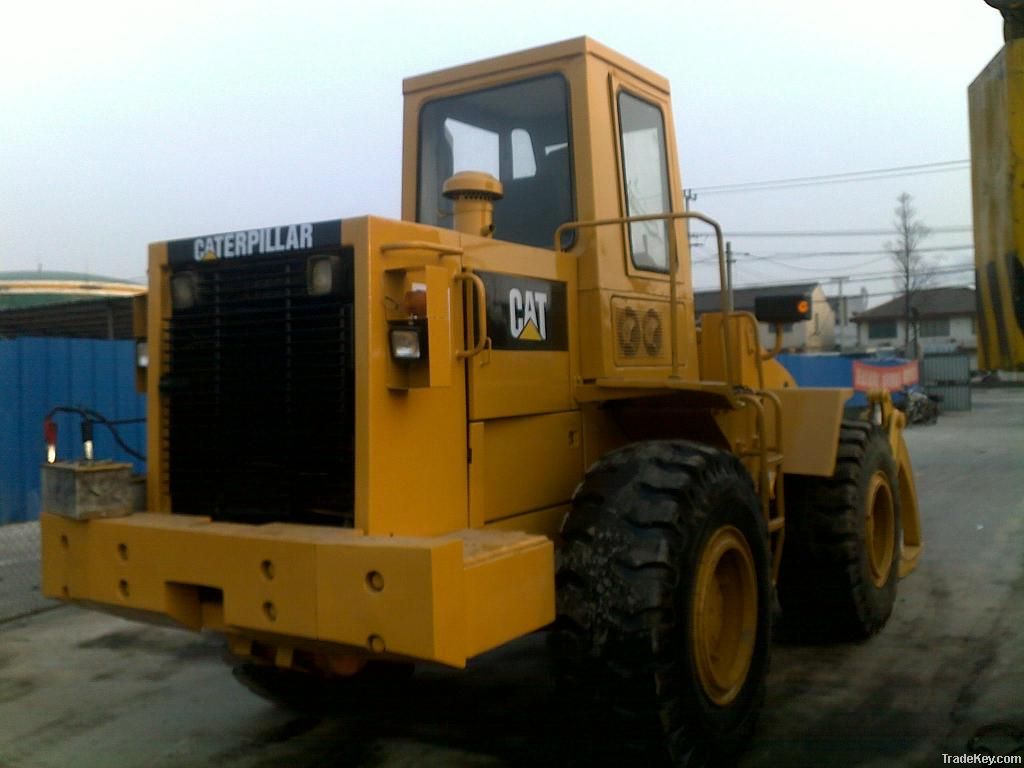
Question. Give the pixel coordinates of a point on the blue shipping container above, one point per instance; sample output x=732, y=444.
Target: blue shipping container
x=38, y=374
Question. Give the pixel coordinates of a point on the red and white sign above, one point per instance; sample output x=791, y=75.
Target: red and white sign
x=890, y=377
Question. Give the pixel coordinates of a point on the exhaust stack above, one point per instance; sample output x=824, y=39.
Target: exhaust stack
x=473, y=194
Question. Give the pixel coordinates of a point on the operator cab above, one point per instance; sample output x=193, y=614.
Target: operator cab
x=572, y=132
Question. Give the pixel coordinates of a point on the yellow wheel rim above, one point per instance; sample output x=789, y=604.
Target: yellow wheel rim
x=880, y=528
x=724, y=615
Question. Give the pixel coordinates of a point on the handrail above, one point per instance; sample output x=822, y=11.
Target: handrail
x=479, y=344
x=764, y=490
x=780, y=487
x=422, y=245
x=777, y=403
x=757, y=341
x=673, y=271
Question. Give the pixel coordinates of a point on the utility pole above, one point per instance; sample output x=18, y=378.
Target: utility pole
x=842, y=311
x=688, y=197
x=728, y=275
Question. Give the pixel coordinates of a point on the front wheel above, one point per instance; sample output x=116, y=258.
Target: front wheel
x=664, y=599
x=840, y=564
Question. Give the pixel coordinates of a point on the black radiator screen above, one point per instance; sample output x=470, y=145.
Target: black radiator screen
x=259, y=382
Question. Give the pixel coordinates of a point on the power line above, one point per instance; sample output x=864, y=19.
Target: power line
x=835, y=178
x=877, y=252
x=794, y=255
x=844, y=266
x=869, y=277
x=854, y=275
x=834, y=232
x=840, y=267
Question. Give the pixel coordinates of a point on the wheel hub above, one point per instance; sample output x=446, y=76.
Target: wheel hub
x=724, y=615
x=880, y=528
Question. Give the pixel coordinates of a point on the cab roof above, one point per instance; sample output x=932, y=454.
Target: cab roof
x=579, y=46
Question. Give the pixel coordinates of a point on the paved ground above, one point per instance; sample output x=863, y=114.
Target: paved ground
x=83, y=689
x=19, y=571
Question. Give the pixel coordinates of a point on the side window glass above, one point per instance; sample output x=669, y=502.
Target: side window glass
x=645, y=177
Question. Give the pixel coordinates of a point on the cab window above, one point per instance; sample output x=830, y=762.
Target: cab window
x=645, y=179
x=518, y=133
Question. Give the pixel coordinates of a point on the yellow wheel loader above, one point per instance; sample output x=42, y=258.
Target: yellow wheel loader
x=373, y=443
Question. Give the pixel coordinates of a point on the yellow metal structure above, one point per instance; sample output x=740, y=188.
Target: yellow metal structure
x=996, y=101
x=491, y=353
x=444, y=598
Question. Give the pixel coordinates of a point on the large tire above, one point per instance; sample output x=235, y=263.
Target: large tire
x=664, y=600
x=840, y=561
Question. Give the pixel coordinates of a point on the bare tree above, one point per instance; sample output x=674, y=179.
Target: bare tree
x=913, y=271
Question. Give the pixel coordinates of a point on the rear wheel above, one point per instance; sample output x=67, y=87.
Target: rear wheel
x=840, y=563
x=664, y=599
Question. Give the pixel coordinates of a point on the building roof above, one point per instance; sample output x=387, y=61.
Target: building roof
x=743, y=298
x=24, y=289
x=40, y=274
x=933, y=302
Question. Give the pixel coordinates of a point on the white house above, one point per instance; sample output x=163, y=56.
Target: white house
x=942, y=320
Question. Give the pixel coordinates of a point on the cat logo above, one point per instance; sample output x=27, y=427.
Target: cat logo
x=527, y=314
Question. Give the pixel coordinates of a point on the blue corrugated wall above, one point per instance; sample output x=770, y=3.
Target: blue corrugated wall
x=37, y=374
x=819, y=371
x=833, y=371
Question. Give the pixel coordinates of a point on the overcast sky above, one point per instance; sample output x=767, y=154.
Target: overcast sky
x=126, y=123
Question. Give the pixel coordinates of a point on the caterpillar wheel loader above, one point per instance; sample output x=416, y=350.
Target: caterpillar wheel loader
x=373, y=443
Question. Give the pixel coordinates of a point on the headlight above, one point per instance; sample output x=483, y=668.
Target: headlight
x=184, y=290
x=322, y=275
x=408, y=342
x=142, y=353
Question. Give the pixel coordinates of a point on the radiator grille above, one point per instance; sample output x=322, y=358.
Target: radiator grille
x=259, y=380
